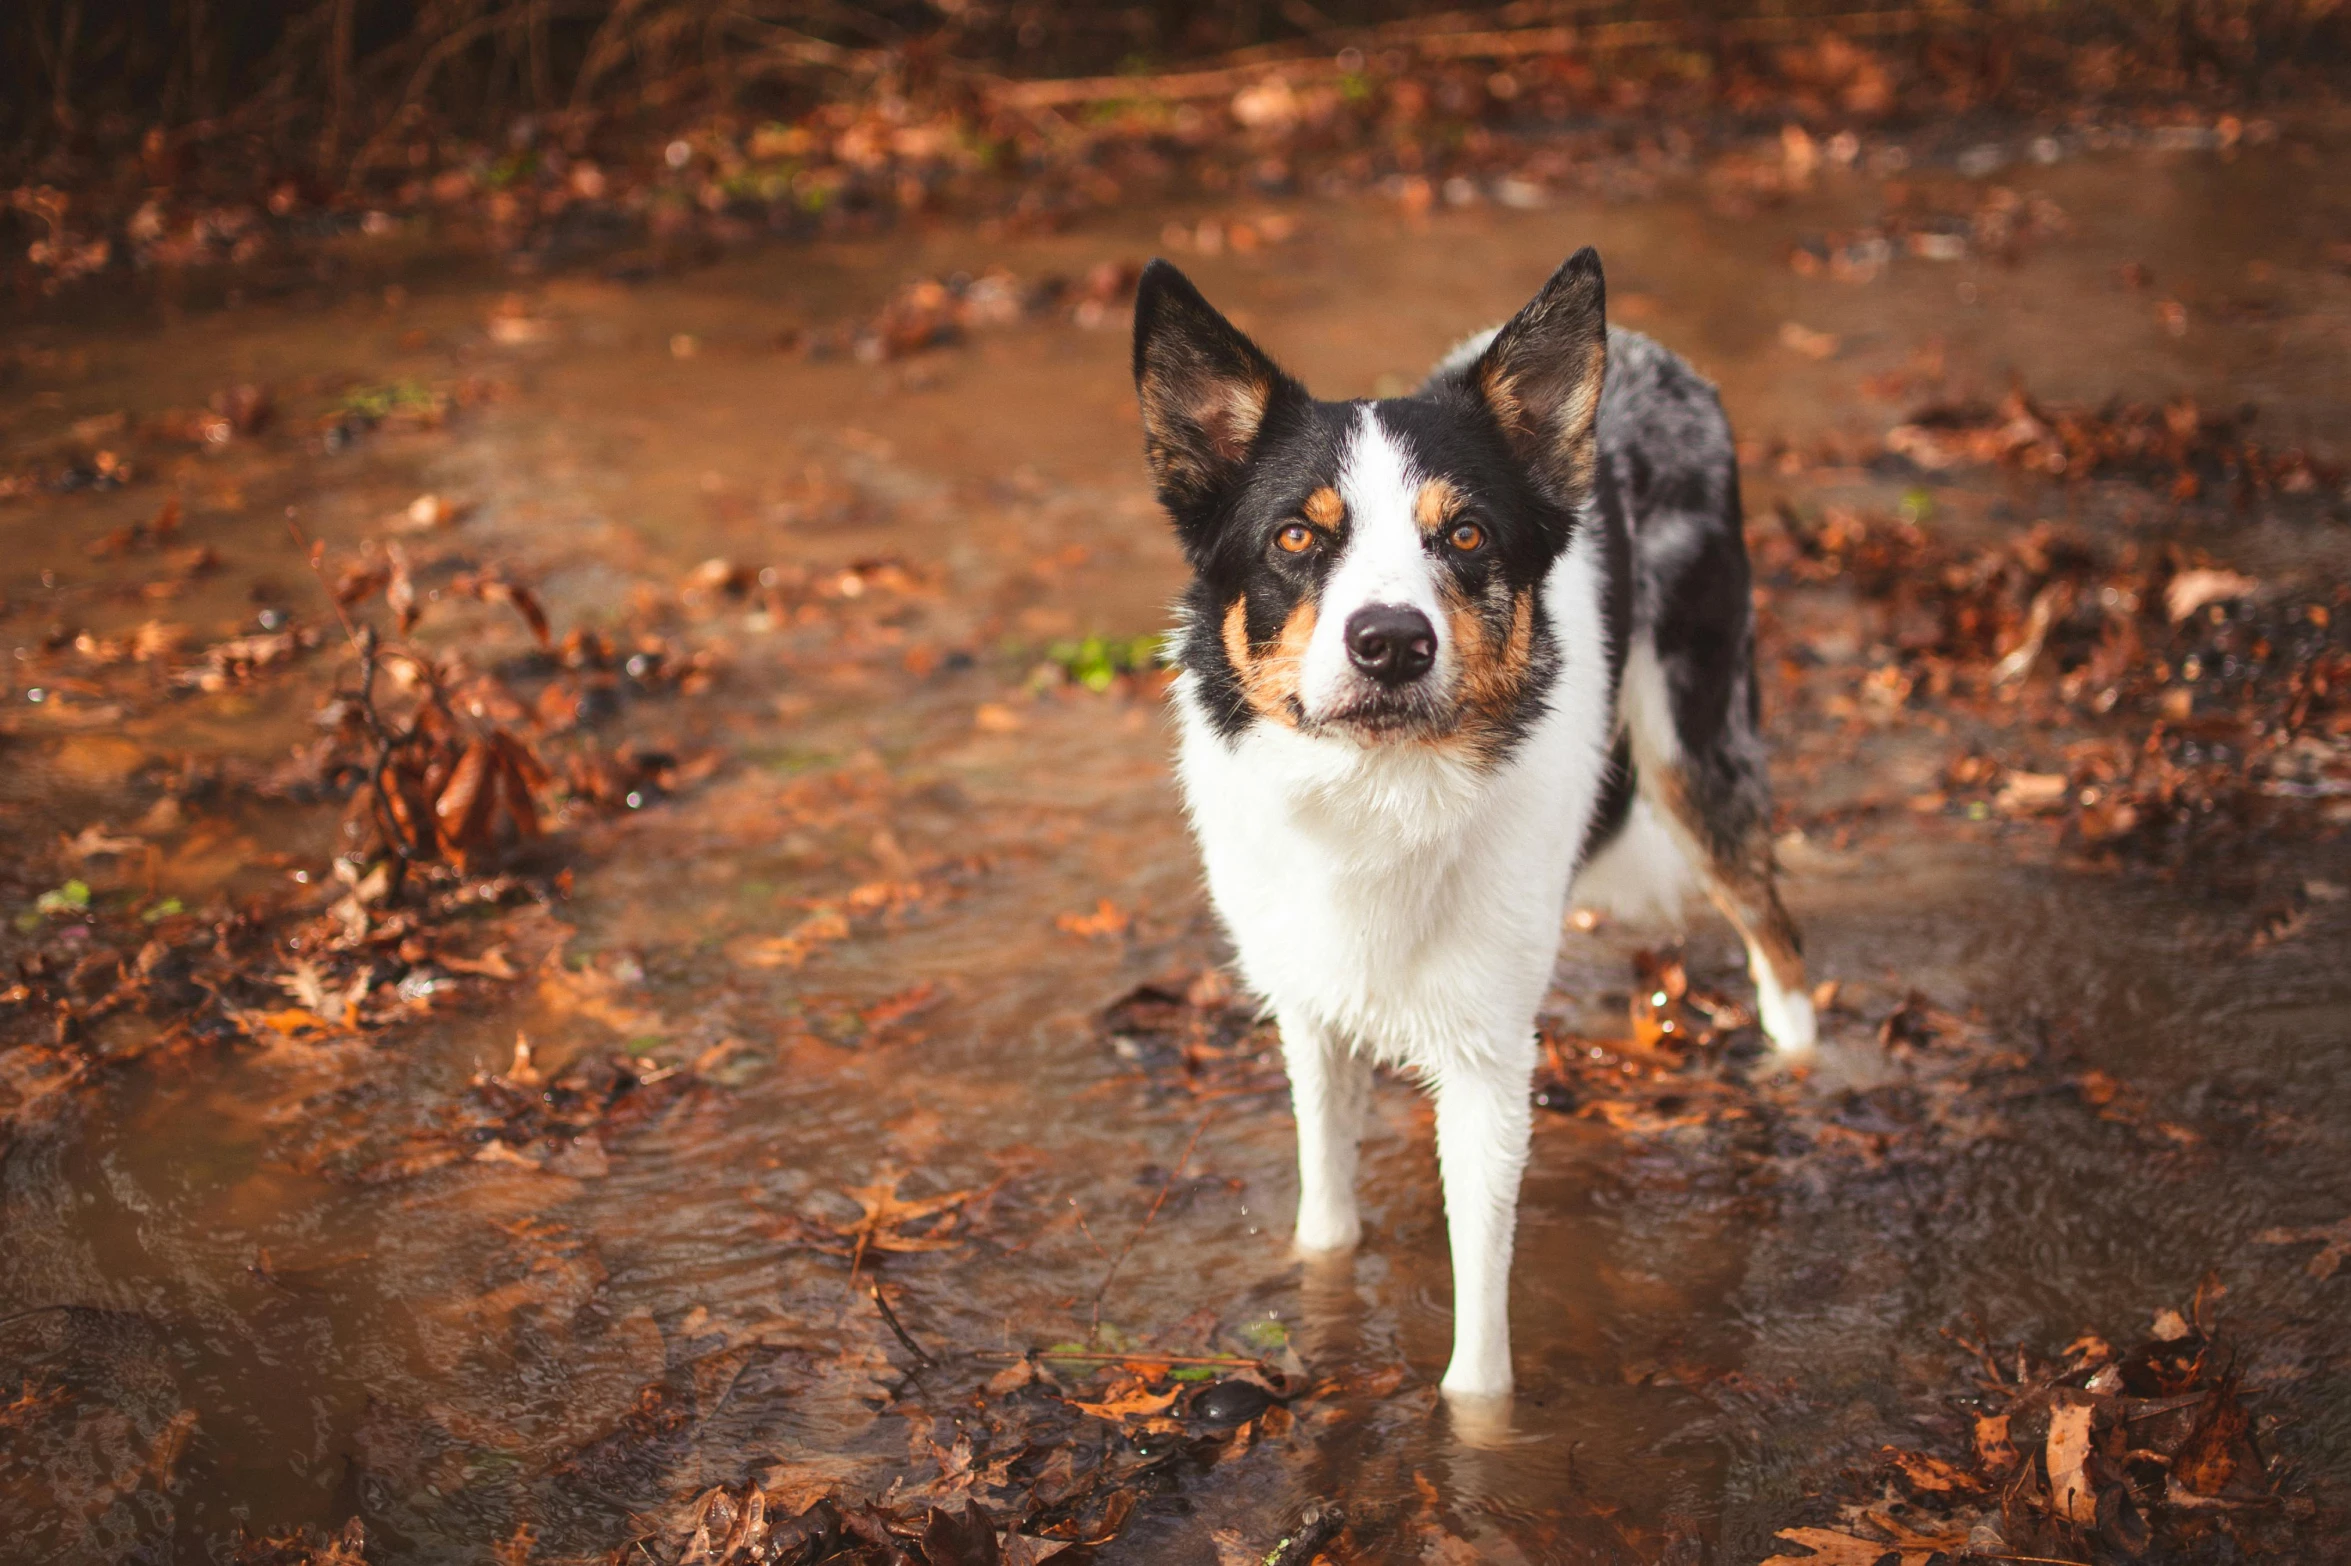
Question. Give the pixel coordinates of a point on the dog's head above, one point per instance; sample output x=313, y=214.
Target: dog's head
x=1373, y=571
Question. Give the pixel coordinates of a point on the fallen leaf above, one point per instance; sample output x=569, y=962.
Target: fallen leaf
x=2029, y=793
x=968, y=1539
x=1993, y=1449
x=1107, y=919
x=2216, y=1448
x=1829, y=1549
x=1140, y=1403
x=882, y=1225
x=93, y=840
x=2193, y=589
x=1011, y=1378
x=2333, y=1241
x=1930, y=1473
x=1804, y=340
x=497, y=1152
x=2070, y=1490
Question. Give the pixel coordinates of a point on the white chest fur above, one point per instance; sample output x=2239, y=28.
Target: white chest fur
x=1400, y=897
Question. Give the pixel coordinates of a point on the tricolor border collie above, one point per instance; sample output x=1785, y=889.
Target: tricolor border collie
x=1444, y=659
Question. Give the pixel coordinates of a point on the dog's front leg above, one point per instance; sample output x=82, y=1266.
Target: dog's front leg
x=1330, y=1086
x=1484, y=1121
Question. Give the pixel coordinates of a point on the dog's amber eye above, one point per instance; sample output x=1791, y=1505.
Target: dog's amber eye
x=1295, y=539
x=1467, y=536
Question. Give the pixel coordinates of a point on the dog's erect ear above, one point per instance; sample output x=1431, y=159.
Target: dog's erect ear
x=1205, y=388
x=1540, y=377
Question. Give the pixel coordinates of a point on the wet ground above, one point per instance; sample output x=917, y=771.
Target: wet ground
x=859, y=940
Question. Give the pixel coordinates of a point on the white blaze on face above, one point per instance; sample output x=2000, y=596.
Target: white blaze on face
x=1385, y=561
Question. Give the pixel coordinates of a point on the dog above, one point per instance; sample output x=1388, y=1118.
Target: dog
x=1444, y=660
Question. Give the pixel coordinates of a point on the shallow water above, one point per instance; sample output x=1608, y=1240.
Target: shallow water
x=1702, y=1340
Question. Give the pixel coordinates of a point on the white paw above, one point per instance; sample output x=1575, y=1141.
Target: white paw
x=1327, y=1234
x=1470, y=1383
x=1787, y=1019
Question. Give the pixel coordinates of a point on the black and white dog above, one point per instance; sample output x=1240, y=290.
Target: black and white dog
x=1445, y=657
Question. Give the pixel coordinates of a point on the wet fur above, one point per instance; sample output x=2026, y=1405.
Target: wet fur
x=1393, y=864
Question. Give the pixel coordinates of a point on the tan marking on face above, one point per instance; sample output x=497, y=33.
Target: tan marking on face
x=1494, y=668
x=1269, y=674
x=1434, y=506
x=1324, y=508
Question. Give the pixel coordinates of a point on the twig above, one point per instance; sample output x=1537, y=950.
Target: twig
x=15, y=1316
x=1086, y=1229
x=1144, y=1228
x=1235, y=1361
x=898, y=1328
x=1981, y=1349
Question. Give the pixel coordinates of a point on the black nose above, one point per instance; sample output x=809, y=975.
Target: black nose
x=1392, y=643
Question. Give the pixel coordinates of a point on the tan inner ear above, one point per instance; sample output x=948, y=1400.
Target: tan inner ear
x=1195, y=421
x=1501, y=392
x=1228, y=415
x=1269, y=674
x=1569, y=441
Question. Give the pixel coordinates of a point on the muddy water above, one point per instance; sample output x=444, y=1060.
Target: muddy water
x=1701, y=1342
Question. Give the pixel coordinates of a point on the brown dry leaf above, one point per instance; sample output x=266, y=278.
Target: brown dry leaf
x=883, y=1225
x=790, y=950
x=1993, y=1449
x=2070, y=1490
x=2192, y=589
x=1011, y=1378
x=515, y=1549
x=1830, y=1549
x=93, y=840
x=2333, y=1241
x=308, y=984
x=427, y=512
x=461, y=815
x=1802, y=339
x=1439, y=1548
x=400, y=589
x=522, y=1072
x=497, y=1152
x=597, y=991
x=1916, y=1547
x=2030, y=793
x=2216, y=1449
x=1140, y=1403
x=1107, y=920
x=491, y=964
x=158, y=639
x=1022, y=1550
x=1930, y=1473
